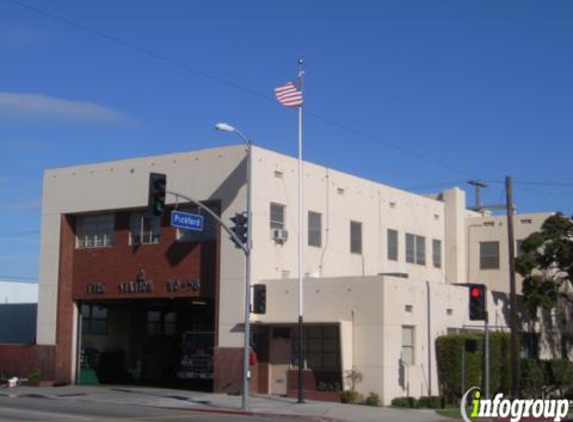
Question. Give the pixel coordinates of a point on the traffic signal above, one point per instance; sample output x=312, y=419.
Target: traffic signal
x=157, y=192
x=240, y=228
x=478, y=302
x=259, y=299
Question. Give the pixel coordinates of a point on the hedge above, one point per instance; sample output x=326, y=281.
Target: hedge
x=534, y=376
x=448, y=352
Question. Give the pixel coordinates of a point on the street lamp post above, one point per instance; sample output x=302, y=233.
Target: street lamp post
x=228, y=128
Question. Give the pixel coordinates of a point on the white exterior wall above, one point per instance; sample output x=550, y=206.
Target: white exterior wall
x=478, y=230
x=378, y=207
x=371, y=311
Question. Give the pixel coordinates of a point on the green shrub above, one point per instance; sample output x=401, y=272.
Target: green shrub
x=531, y=377
x=35, y=375
x=373, y=399
x=449, y=362
x=431, y=402
x=559, y=374
x=350, y=396
x=408, y=402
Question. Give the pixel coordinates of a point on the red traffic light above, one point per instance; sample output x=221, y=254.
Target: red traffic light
x=476, y=292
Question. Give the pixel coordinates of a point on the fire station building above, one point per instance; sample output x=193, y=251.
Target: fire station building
x=134, y=299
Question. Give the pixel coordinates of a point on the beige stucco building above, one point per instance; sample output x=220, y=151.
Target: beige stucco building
x=382, y=268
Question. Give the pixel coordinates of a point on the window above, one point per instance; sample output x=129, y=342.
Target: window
x=437, y=253
x=277, y=216
x=314, y=229
x=420, y=250
x=161, y=324
x=95, y=231
x=94, y=319
x=322, y=347
x=355, y=237
x=392, y=245
x=407, y=345
x=415, y=249
x=489, y=255
x=144, y=229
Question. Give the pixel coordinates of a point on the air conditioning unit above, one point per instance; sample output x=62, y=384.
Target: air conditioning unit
x=280, y=235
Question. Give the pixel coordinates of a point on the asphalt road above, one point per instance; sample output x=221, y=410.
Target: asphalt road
x=27, y=409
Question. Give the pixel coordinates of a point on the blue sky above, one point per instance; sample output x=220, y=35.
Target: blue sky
x=415, y=94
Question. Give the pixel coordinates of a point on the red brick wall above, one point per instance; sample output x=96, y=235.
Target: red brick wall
x=228, y=364
x=168, y=260
x=21, y=360
x=120, y=263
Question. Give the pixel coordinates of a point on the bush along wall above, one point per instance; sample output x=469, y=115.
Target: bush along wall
x=449, y=356
x=536, y=377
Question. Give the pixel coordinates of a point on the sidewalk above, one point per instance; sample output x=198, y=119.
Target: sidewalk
x=221, y=403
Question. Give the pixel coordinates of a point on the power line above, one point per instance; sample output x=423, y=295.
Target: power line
x=536, y=183
x=185, y=66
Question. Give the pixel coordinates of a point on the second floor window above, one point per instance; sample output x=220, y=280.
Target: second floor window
x=277, y=216
x=489, y=255
x=144, y=229
x=355, y=237
x=314, y=229
x=95, y=231
x=392, y=245
x=415, y=249
x=437, y=253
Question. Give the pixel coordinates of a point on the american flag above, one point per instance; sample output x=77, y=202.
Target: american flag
x=289, y=95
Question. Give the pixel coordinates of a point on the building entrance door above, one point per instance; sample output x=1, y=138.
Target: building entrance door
x=279, y=357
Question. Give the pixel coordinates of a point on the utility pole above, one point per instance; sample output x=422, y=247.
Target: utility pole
x=477, y=184
x=512, y=293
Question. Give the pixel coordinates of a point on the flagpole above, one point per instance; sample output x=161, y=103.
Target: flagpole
x=300, y=245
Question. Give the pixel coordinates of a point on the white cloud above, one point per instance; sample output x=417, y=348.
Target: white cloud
x=27, y=107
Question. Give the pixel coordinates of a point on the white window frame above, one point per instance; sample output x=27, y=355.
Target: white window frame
x=314, y=231
x=437, y=253
x=415, y=249
x=408, y=359
x=356, y=237
x=489, y=261
x=276, y=223
x=392, y=244
x=95, y=230
x=149, y=228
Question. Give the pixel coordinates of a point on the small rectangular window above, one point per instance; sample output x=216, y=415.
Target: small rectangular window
x=94, y=319
x=489, y=255
x=415, y=249
x=277, y=216
x=355, y=237
x=314, y=229
x=95, y=231
x=161, y=324
x=420, y=250
x=144, y=229
x=392, y=245
x=437, y=253
x=407, y=345
x=410, y=248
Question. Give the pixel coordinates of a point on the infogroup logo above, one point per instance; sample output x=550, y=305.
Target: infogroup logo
x=514, y=409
